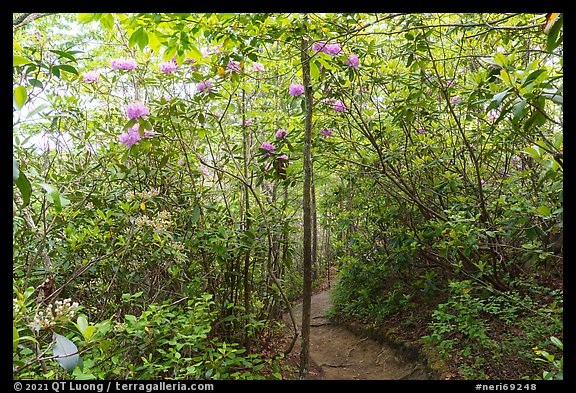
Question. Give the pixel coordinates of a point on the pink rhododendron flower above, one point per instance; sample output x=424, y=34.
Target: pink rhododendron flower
x=205, y=85
x=190, y=60
x=296, y=89
x=283, y=157
x=331, y=49
x=131, y=137
x=318, y=46
x=180, y=162
x=421, y=131
x=90, y=76
x=136, y=110
x=123, y=64
x=247, y=122
x=339, y=106
x=267, y=146
x=204, y=170
x=282, y=133
x=234, y=67
x=326, y=132
x=168, y=66
x=352, y=61
x=257, y=67
x=456, y=99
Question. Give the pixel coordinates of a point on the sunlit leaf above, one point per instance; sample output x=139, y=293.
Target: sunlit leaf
x=20, y=96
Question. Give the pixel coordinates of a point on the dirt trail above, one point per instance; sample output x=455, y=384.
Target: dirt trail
x=341, y=354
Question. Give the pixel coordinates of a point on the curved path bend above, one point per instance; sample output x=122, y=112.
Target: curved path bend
x=343, y=355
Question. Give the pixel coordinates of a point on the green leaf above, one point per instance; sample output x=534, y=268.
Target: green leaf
x=86, y=17
x=23, y=184
x=19, y=60
x=519, y=110
x=534, y=152
x=543, y=211
x=55, y=70
x=36, y=110
x=557, y=342
x=82, y=323
x=194, y=53
x=154, y=42
x=15, y=337
x=139, y=37
x=54, y=196
x=497, y=100
x=195, y=215
x=553, y=41
x=500, y=59
x=20, y=96
x=107, y=21
x=15, y=170
x=89, y=332
x=66, y=351
x=68, y=68
x=314, y=70
x=67, y=55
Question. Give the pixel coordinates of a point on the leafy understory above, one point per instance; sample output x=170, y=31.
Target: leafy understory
x=180, y=179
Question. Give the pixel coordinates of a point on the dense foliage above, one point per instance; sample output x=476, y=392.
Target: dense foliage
x=157, y=229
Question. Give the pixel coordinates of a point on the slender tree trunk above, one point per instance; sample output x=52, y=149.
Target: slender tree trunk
x=247, y=290
x=307, y=252
x=315, y=262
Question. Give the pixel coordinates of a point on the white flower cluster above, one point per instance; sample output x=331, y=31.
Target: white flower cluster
x=60, y=311
x=143, y=195
x=161, y=222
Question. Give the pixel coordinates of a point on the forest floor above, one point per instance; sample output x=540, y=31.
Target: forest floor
x=339, y=354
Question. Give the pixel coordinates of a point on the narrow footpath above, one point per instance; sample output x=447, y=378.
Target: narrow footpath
x=339, y=354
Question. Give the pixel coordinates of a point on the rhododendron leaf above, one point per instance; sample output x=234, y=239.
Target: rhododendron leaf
x=19, y=60
x=68, y=68
x=21, y=182
x=54, y=196
x=20, y=96
x=15, y=338
x=66, y=352
x=314, y=70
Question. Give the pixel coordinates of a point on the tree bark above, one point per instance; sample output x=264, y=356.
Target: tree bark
x=306, y=202
x=24, y=19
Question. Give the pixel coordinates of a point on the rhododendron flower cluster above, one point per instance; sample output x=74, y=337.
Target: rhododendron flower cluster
x=123, y=64
x=282, y=133
x=204, y=170
x=204, y=85
x=234, y=67
x=90, y=76
x=168, y=66
x=257, y=67
x=132, y=136
x=191, y=61
x=331, y=49
x=352, y=61
x=296, y=89
x=136, y=110
x=326, y=132
x=339, y=106
x=267, y=146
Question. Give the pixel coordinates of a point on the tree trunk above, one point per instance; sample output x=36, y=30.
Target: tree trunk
x=307, y=252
